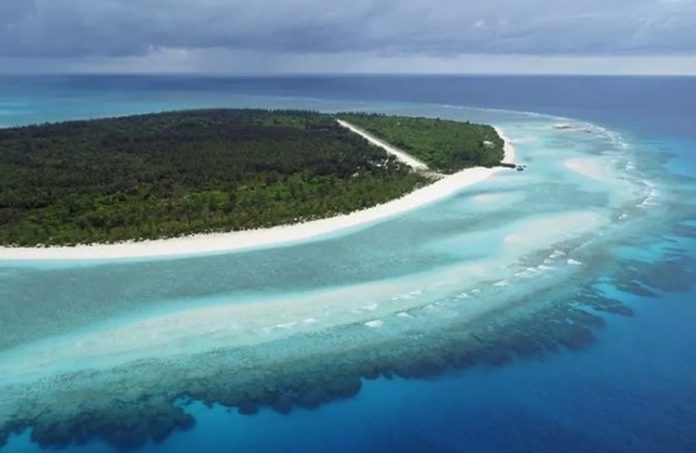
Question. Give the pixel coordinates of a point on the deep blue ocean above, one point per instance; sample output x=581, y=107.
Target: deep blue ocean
x=632, y=390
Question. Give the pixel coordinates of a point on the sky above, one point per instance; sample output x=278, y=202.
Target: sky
x=355, y=36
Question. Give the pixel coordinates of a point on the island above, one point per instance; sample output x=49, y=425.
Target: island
x=174, y=174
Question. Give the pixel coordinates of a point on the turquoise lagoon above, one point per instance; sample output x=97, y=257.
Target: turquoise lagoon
x=505, y=318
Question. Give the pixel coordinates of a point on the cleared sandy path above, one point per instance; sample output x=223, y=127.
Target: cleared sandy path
x=402, y=155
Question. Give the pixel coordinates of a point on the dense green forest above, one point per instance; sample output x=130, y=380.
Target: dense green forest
x=170, y=174
x=444, y=145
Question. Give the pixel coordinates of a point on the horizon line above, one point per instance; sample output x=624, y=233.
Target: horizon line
x=215, y=74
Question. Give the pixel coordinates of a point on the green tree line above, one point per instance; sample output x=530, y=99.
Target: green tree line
x=176, y=173
x=446, y=146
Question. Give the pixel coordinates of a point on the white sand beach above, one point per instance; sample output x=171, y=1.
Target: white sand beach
x=285, y=234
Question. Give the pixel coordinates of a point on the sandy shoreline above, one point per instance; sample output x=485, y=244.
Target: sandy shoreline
x=250, y=239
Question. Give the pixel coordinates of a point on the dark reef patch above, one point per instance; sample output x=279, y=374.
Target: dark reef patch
x=149, y=407
x=673, y=273
x=633, y=287
x=602, y=303
x=127, y=425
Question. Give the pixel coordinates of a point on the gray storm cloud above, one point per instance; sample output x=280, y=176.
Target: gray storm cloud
x=117, y=28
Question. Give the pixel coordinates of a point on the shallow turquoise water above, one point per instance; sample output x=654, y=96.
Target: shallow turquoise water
x=404, y=280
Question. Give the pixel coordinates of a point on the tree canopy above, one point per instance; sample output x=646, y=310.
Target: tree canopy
x=176, y=173
x=446, y=146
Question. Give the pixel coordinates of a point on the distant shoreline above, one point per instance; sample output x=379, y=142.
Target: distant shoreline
x=211, y=243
